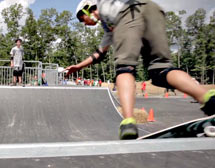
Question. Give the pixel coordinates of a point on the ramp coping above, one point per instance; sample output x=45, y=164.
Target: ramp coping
x=112, y=101
x=54, y=87
x=44, y=150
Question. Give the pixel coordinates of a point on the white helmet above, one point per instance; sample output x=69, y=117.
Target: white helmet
x=84, y=7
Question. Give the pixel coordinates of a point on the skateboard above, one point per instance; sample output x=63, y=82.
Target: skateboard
x=201, y=127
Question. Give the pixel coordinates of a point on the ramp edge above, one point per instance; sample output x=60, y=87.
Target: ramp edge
x=47, y=150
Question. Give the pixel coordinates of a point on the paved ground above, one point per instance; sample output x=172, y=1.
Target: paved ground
x=168, y=111
x=195, y=159
x=52, y=115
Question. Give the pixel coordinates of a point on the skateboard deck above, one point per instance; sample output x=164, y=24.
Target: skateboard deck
x=201, y=127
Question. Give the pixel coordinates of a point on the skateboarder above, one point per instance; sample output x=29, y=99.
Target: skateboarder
x=136, y=27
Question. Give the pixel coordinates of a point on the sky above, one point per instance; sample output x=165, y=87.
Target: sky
x=60, y=5
x=168, y=5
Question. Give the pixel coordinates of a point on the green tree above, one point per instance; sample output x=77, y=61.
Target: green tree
x=63, y=52
x=196, y=32
x=46, y=33
x=31, y=38
x=88, y=40
x=175, y=33
x=210, y=48
x=12, y=17
x=4, y=49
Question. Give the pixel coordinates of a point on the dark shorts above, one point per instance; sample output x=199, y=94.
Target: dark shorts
x=159, y=77
x=17, y=73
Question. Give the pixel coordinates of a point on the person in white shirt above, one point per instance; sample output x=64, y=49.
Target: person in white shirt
x=17, y=54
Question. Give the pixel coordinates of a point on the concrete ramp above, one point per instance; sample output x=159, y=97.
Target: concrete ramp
x=48, y=127
x=38, y=115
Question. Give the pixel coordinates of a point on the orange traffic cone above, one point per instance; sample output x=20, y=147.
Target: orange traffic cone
x=166, y=95
x=185, y=95
x=151, y=116
x=146, y=95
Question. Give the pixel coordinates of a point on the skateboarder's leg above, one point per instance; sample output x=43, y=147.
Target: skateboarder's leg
x=184, y=83
x=127, y=42
x=127, y=50
x=126, y=89
x=132, y=37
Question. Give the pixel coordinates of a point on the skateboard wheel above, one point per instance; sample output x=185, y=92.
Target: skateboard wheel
x=210, y=131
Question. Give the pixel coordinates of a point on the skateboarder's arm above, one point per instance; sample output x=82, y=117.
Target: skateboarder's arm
x=97, y=56
x=94, y=58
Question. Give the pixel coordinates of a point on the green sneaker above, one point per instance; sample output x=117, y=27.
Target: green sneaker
x=128, y=129
x=209, y=106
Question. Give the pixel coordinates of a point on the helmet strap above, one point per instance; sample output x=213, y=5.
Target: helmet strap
x=86, y=12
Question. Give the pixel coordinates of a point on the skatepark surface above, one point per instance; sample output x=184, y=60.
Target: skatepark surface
x=34, y=115
x=168, y=112
x=66, y=127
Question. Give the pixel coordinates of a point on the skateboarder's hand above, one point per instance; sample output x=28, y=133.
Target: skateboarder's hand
x=72, y=69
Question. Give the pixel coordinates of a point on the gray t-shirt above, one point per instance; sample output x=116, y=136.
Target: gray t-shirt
x=108, y=12
x=109, y=9
x=107, y=38
x=18, y=55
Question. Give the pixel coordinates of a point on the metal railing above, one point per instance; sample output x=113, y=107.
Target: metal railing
x=51, y=71
x=32, y=74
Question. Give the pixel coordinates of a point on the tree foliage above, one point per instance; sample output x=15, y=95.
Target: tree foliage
x=56, y=37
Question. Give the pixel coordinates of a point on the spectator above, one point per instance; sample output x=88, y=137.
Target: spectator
x=143, y=88
x=100, y=83
x=85, y=82
x=88, y=82
x=96, y=83
x=17, y=55
x=44, y=81
x=35, y=81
